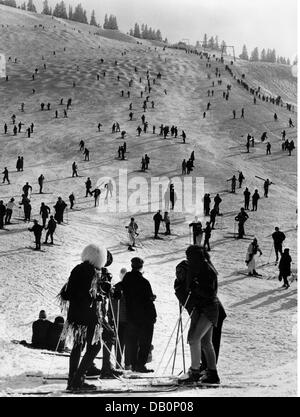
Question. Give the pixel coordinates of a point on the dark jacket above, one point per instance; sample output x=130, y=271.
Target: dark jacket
x=139, y=297
x=157, y=218
x=285, y=264
x=83, y=308
x=201, y=281
x=40, y=330
x=278, y=237
x=36, y=229
x=53, y=337
x=51, y=225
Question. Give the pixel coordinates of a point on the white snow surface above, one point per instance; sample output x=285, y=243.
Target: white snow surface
x=259, y=341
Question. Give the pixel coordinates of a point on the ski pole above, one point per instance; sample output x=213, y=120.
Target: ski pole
x=270, y=254
x=182, y=346
x=114, y=319
x=177, y=322
x=176, y=342
x=187, y=322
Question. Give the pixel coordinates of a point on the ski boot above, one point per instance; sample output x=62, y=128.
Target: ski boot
x=93, y=371
x=110, y=374
x=192, y=376
x=210, y=377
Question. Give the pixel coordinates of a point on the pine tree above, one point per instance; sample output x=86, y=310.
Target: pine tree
x=93, y=19
x=131, y=32
x=158, y=35
x=211, y=42
x=288, y=61
x=244, y=54
x=105, y=24
x=31, y=6
x=23, y=6
x=224, y=47
x=79, y=14
x=136, y=32
x=10, y=3
x=263, y=55
x=254, y=55
x=217, y=46
x=46, y=9
x=70, y=14
x=205, y=41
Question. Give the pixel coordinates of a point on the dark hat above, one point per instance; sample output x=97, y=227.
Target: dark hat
x=42, y=314
x=59, y=320
x=137, y=263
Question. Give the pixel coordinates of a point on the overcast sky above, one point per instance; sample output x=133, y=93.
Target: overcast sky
x=262, y=23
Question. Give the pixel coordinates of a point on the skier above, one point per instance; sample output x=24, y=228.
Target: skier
x=213, y=214
x=218, y=201
x=72, y=200
x=86, y=154
x=74, y=169
x=37, y=230
x=139, y=130
x=233, y=184
x=172, y=196
x=243, y=113
x=206, y=203
x=183, y=167
x=81, y=145
x=167, y=221
x=278, y=238
x=141, y=316
x=183, y=136
x=59, y=210
x=27, y=207
x=264, y=136
x=253, y=248
x=196, y=288
x=241, y=179
x=147, y=161
x=96, y=193
x=207, y=235
x=9, y=210
x=285, y=268
x=40, y=331
x=197, y=231
x=109, y=189
x=234, y=113
x=157, y=219
x=132, y=231
x=255, y=198
x=247, y=198
x=267, y=183
x=41, y=183
x=5, y=128
x=51, y=226
x=83, y=321
x=268, y=148
x=44, y=213
x=88, y=186
x=241, y=218
x=291, y=123
x=5, y=175
x=143, y=163
x=26, y=189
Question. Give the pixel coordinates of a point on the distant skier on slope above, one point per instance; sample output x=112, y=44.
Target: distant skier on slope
x=253, y=248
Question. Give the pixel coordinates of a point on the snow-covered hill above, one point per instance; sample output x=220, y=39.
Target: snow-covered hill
x=259, y=343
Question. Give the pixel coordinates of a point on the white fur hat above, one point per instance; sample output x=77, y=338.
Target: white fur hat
x=94, y=254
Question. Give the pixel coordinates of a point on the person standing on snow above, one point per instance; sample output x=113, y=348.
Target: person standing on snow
x=253, y=248
x=132, y=231
x=197, y=231
x=285, y=268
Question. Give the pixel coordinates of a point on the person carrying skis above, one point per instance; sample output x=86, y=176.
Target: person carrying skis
x=267, y=183
x=278, y=238
x=37, y=230
x=196, y=287
x=253, y=248
x=241, y=218
x=285, y=268
x=132, y=231
x=197, y=231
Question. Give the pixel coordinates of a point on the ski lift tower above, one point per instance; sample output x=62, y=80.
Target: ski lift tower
x=224, y=50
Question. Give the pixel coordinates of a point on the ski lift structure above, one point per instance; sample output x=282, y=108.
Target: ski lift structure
x=224, y=51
